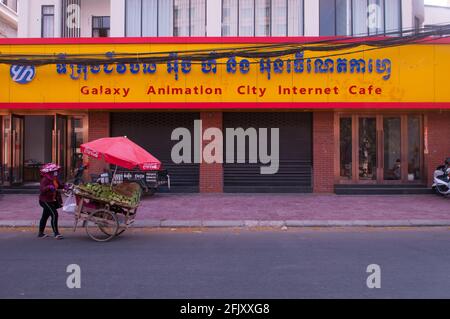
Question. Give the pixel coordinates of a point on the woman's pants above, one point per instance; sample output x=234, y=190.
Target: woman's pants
x=51, y=211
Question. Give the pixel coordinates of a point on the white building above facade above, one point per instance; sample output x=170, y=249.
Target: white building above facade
x=8, y=18
x=216, y=18
x=437, y=15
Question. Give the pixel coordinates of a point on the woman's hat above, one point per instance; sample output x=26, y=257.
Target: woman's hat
x=50, y=168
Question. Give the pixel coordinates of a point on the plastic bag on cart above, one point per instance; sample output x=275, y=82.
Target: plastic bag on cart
x=70, y=205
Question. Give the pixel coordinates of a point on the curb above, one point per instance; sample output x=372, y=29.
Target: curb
x=254, y=223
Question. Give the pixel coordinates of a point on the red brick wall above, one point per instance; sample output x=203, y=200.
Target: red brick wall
x=211, y=175
x=99, y=126
x=323, y=152
x=438, y=125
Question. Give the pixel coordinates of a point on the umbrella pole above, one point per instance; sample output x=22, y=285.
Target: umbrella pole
x=114, y=176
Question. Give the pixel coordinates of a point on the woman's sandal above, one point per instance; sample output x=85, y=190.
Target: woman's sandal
x=59, y=237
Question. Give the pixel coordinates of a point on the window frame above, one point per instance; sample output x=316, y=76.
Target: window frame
x=46, y=15
x=190, y=19
x=270, y=19
x=352, y=31
x=173, y=18
x=101, y=17
x=10, y=5
x=379, y=116
x=400, y=32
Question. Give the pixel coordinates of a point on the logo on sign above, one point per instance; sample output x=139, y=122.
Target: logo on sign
x=150, y=166
x=92, y=153
x=22, y=74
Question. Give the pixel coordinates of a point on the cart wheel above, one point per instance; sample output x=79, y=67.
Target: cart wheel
x=109, y=231
x=122, y=226
x=120, y=232
x=102, y=225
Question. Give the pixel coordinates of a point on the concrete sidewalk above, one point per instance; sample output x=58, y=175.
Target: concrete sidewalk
x=259, y=210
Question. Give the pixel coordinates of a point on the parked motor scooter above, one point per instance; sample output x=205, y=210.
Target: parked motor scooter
x=441, y=180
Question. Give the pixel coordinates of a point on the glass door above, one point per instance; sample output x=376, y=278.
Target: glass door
x=7, y=148
x=367, y=142
x=76, y=137
x=382, y=149
x=346, y=148
x=17, y=149
x=60, y=143
x=392, y=148
x=415, y=145
x=402, y=149
x=4, y=148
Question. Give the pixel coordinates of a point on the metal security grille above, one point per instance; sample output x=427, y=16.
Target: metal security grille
x=70, y=17
x=153, y=132
x=295, y=168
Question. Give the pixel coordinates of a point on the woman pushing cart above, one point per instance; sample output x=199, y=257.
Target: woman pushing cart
x=106, y=211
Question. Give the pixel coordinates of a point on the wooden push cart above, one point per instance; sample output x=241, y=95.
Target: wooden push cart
x=102, y=219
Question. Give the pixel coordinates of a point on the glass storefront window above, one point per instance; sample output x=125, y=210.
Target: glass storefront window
x=346, y=144
x=18, y=147
x=6, y=148
x=367, y=148
x=383, y=148
x=1, y=151
x=28, y=141
x=76, y=138
x=392, y=148
x=414, y=148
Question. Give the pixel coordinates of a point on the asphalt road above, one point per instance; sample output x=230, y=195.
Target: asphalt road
x=311, y=263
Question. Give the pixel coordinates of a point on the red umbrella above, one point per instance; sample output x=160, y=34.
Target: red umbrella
x=122, y=152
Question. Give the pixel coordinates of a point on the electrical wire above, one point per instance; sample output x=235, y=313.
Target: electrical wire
x=252, y=52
